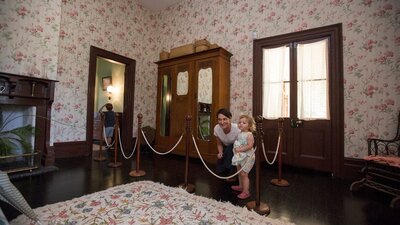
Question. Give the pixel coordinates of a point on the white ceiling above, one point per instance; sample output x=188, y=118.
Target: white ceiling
x=157, y=4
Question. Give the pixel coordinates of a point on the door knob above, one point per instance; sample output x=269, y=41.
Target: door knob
x=292, y=123
x=296, y=123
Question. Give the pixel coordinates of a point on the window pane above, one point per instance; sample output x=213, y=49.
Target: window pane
x=312, y=80
x=276, y=90
x=314, y=104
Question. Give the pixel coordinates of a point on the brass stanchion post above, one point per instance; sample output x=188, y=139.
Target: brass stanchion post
x=138, y=172
x=261, y=208
x=279, y=181
x=188, y=187
x=100, y=157
x=115, y=164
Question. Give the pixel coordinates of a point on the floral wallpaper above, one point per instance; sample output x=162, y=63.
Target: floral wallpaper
x=52, y=39
x=371, y=51
x=122, y=27
x=29, y=37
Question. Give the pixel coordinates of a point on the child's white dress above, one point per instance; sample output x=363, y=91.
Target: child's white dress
x=244, y=159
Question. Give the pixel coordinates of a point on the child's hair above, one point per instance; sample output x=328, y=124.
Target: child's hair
x=109, y=106
x=250, y=120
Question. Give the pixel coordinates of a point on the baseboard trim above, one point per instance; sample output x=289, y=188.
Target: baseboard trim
x=352, y=168
x=71, y=149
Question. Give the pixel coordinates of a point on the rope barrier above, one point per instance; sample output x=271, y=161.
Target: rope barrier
x=167, y=152
x=42, y=117
x=105, y=138
x=122, y=148
x=276, y=152
x=161, y=153
x=209, y=170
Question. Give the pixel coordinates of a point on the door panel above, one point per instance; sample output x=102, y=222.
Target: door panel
x=312, y=145
x=205, y=64
x=164, y=103
x=307, y=146
x=181, y=102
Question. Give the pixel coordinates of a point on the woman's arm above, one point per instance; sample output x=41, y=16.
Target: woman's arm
x=220, y=148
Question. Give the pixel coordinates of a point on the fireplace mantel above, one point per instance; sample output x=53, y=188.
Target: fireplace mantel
x=28, y=91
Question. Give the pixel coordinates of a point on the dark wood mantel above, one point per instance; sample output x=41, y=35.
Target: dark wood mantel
x=37, y=92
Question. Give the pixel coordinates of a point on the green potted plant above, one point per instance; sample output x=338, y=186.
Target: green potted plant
x=15, y=138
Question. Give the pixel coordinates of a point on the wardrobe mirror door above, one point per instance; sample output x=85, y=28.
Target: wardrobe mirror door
x=204, y=97
x=165, y=105
x=182, y=83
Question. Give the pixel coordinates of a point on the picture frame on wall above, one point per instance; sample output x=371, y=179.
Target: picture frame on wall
x=106, y=81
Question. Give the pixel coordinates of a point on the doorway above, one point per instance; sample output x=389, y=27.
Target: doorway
x=299, y=77
x=127, y=92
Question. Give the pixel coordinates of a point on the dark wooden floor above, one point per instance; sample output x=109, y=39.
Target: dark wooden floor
x=312, y=197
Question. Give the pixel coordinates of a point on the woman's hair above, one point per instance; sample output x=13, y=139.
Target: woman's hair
x=224, y=112
x=250, y=120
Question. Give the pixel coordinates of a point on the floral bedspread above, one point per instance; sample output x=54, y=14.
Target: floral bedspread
x=145, y=202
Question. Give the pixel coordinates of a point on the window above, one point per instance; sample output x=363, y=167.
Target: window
x=312, y=80
x=276, y=79
x=310, y=69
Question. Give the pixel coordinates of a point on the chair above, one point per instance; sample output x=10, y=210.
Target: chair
x=11, y=195
x=382, y=167
x=385, y=147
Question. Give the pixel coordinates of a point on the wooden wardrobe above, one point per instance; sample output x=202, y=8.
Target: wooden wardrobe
x=197, y=85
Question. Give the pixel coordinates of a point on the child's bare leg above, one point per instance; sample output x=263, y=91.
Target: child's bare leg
x=245, y=183
x=240, y=179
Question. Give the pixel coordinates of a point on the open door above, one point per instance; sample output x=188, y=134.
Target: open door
x=126, y=127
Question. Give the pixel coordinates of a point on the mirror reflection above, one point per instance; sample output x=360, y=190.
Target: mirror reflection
x=165, y=105
x=204, y=97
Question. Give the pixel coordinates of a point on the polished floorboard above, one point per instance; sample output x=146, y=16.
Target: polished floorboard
x=311, y=198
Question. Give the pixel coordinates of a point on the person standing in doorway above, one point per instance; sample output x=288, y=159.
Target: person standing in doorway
x=109, y=121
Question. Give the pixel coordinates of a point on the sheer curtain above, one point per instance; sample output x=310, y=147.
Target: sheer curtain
x=312, y=80
x=276, y=71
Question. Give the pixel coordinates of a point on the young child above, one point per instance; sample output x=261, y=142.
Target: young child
x=109, y=121
x=244, y=154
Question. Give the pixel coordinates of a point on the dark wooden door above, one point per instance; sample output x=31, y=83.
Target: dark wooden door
x=207, y=64
x=181, y=101
x=306, y=146
x=307, y=143
x=310, y=142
